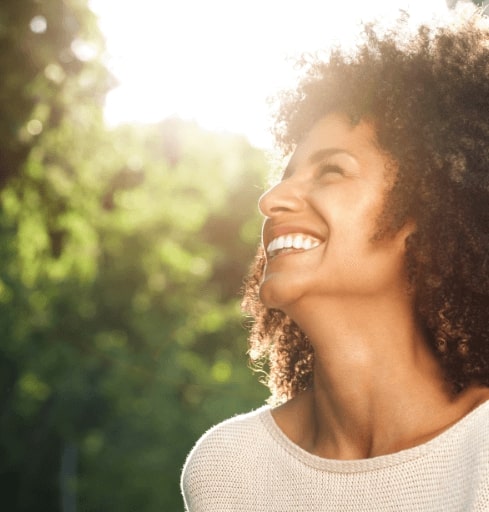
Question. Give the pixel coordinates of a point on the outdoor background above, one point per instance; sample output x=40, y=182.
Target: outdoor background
x=123, y=250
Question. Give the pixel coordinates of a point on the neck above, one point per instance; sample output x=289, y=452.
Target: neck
x=377, y=389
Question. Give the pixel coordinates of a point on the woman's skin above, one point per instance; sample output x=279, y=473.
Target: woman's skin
x=377, y=386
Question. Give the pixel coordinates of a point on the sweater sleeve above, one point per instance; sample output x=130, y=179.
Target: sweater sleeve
x=219, y=469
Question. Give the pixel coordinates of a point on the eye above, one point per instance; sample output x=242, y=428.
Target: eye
x=329, y=169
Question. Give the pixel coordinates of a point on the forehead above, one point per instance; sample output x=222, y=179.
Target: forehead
x=335, y=131
x=354, y=148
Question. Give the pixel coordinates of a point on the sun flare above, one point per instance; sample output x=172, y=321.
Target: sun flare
x=217, y=62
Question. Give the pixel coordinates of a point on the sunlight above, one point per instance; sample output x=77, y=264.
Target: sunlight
x=217, y=61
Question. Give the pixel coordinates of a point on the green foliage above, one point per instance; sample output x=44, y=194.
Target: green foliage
x=122, y=253
x=124, y=336
x=48, y=74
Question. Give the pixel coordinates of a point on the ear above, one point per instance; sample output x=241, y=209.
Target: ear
x=409, y=227
x=407, y=230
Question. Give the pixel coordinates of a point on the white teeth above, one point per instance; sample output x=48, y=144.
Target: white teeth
x=276, y=244
x=296, y=241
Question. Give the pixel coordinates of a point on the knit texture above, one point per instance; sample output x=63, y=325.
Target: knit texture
x=247, y=464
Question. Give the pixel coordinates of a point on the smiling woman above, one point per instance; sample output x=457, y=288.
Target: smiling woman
x=371, y=290
x=332, y=190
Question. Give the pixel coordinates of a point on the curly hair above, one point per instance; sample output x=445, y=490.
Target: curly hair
x=427, y=96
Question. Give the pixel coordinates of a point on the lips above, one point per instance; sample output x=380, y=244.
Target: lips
x=292, y=242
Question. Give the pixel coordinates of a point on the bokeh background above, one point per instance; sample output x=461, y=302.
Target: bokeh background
x=123, y=250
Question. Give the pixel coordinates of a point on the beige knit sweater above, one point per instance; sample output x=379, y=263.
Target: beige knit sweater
x=247, y=464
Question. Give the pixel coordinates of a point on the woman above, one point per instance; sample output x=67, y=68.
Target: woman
x=371, y=295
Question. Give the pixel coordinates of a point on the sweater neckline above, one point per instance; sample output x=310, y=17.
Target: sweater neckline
x=375, y=463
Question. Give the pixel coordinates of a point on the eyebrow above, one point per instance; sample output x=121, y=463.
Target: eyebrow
x=316, y=157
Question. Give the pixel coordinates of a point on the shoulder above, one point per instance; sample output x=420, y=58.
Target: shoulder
x=478, y=430
x=465, y=446
x=473, y=457
x=226, y=452
x=476, y=425
x=229, y=439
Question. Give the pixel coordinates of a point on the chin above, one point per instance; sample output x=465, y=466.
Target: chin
x=269, y=295
x=277, y=295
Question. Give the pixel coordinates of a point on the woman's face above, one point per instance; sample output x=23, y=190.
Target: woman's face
x=320, y=220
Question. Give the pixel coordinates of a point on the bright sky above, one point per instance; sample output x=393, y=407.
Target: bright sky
x=217, y=61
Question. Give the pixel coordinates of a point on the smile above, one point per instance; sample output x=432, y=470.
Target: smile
x=292, y=242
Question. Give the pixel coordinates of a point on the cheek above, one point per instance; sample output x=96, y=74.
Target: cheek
x=351, y=232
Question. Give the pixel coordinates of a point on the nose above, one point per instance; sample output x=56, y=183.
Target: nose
x=283, y=197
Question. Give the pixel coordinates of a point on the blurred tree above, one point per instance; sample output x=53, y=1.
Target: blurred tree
x=49, y=70
x=172, y=332
x=122, y=257
x=51, y=91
